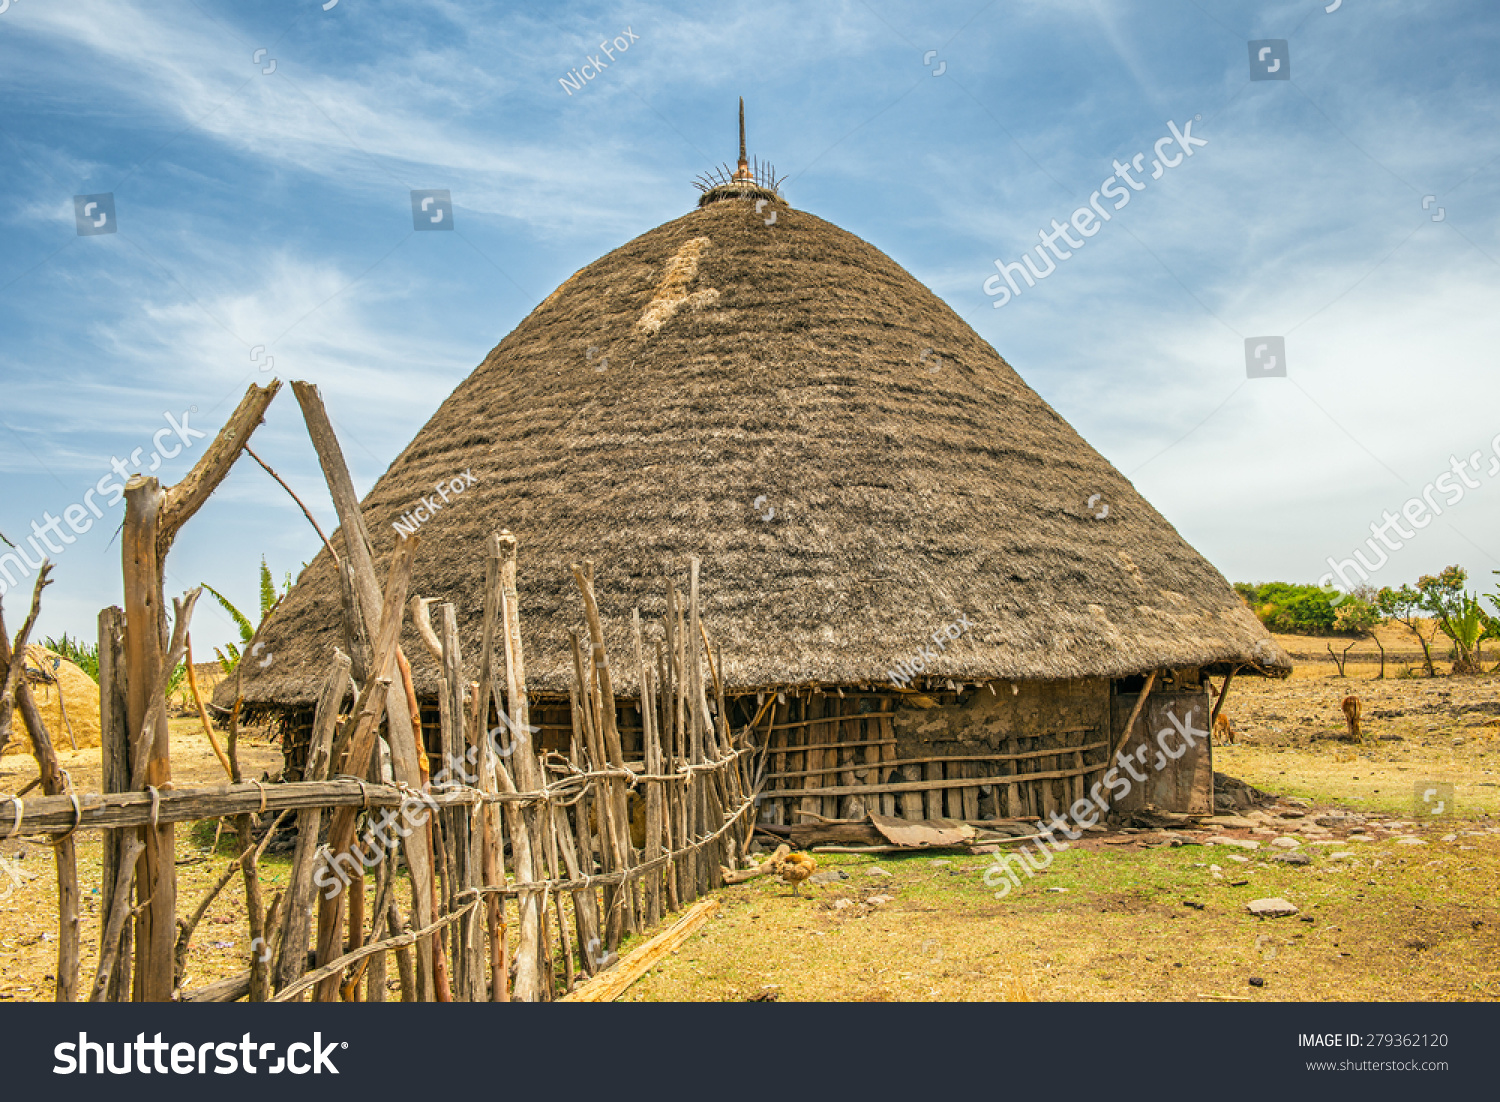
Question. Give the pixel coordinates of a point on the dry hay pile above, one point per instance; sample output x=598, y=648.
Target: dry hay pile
x=209, y=674
x=65, y=696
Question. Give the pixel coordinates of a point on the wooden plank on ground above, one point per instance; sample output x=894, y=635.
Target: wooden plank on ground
x=612, y=983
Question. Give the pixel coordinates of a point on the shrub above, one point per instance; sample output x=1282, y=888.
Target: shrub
x=1306, y=609
x=83, y=655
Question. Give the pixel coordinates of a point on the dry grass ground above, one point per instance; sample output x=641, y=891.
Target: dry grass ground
x=1394, y=921
x=28, y=916
x=1119, y=916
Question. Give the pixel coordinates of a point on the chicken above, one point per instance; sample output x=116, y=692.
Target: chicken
x=795, y=868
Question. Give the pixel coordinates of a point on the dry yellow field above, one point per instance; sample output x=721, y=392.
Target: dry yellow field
x=1409, y=914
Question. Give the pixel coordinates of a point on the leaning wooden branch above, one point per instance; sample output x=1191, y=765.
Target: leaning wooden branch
x=140, y=754
x=10, y=672
x=334, y=967
x=305, y=511
x=54, y=783
x=423, y=623
x=406, y=757
x=192, y=680
x=185, y=928
x=187, y=497
x=1140, y=704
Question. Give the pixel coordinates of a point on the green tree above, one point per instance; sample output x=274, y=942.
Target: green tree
x=1404, y=605
x=1458, y=613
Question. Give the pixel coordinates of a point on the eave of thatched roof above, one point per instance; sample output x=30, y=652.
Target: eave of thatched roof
x=669, y=397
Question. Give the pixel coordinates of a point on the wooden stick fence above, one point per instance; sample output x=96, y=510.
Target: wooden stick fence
x=505, y=847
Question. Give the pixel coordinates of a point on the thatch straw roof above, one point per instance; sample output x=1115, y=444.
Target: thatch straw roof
x=855, y=466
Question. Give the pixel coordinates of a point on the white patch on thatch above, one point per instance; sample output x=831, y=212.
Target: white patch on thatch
x=671, y=293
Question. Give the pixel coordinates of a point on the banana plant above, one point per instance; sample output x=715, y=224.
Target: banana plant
x=229, y=654
x=1467, y=625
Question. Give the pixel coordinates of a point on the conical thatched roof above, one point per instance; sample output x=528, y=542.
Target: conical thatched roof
x=855, y=466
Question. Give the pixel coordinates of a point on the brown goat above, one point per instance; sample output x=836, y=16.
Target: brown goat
x=1223, y=731
x=1351, y=716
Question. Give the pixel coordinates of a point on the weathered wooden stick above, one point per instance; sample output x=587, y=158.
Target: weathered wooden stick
x=423, y=623
x=598, y=818
x=54, y=783
x=208, y=730
x=185, y=929
x=611, y=984
x=230, y=989
x=372, y=705
x=601, y=688
x=527, y=774
x=290, y=493
x=651, y=747
x=153, y=517
x=684, y=878
x=114, y=745
x=114, y=924
x=374, y=966
x=155, y=730
x=405, y=974
x=12, y=672
x=585, y=910
x=468, y=979
x=332, y=969
x=492, y=840
x=403, y=739
x=290, y=962
x=765, y=868
x=1140, y=704
x=260, y=975
x=1224, y=694
x=956, y=757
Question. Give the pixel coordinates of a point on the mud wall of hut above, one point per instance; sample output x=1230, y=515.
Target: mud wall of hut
x=1019, y=750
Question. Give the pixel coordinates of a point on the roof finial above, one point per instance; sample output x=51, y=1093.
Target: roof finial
x=747, y=181
x=743, y=172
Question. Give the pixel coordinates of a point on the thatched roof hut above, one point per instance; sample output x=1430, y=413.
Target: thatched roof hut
x=855, y=466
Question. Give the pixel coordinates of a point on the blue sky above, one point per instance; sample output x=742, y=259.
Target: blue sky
x=266, y=215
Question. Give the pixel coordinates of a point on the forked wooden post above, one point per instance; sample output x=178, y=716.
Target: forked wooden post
x=153, y=517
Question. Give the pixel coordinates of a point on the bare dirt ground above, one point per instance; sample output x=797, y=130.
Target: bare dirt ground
x=1395, y=902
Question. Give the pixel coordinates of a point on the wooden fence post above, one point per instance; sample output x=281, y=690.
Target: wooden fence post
x=153, y=517
x=403, y=739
